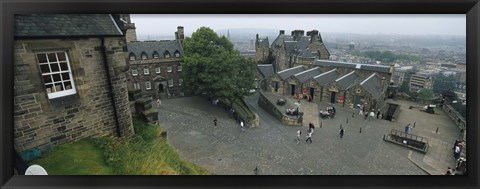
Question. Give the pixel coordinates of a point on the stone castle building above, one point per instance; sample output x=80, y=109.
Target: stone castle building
x=156, y=66
x=70, y=81
x=297, y=65
x=292, y=50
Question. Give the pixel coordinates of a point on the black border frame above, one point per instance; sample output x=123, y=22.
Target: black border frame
x=10, y=7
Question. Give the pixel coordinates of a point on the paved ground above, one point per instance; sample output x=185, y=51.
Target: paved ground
x=226, y=150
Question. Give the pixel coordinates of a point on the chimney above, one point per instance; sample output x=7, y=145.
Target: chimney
x=282, y=32
x=382, y=87
x=297, y=33
x=179, y=34
x=313, y=35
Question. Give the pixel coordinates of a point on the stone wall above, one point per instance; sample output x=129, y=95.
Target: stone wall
x=156, y=78
x=270, y=107
x=41, y=122
x=457, y=118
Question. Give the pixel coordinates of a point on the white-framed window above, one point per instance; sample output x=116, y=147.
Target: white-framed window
x=146, y=71
x=134, y=72
x=158, y=70
x=56, y=73
x=169, y=69
x=132, y=56
x=148, y=85
x=180, y=81
x=177, y=54
x=144, y=56
x=179, y=68
x=136, y=85
x=167, y=54
x=155, y=54
x=170, y=83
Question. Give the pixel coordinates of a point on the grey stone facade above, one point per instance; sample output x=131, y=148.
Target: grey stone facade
x=40, y=121
x=156, y=67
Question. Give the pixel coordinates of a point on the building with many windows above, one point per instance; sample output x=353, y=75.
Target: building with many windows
x=421, y=81
x=70, y=81
x=156, y=66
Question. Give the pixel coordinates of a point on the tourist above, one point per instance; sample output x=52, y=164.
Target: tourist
x=311, y=127
x=299, y=133
x=456, y=152
x=378, y=114
x=366, y=115
x=407, y=128
x=309, y=137
x=159, y=102
x=241, y=126
x=215, y=122
x=342, y=131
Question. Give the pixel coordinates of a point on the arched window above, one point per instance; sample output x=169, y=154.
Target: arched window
x=177, y=54
x=132, y=56
x=155, y=54
x=166, y=54
x=144, y=55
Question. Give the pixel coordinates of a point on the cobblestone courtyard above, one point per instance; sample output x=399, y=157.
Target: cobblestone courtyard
x=226, y=150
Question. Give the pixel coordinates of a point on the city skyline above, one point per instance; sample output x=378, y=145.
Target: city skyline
x=414, y=24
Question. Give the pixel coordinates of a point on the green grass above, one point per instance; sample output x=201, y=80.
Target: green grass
x=144, y=154
x=77, y=158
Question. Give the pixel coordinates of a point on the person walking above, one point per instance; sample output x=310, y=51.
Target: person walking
x=309, y=137
x=159, y=102
x=342, y=131
x=299, y=133
x=241, y=126
x=215, y=122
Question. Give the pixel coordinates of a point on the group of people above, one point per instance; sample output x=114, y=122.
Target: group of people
x=329, y=112
x=461, y=161
x=364, y=112
x=291, y=111
x=310, y=129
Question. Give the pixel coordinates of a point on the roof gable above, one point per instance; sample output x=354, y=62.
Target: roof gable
x=347, y=81
x=284, y=74
x=373, y=85
x=149, y=47
x=304, y=76
x=266, y=70
x=327, y=77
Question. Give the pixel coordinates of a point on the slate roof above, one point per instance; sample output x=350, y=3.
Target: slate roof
x=375, y=68
x=151, y=46
x=308, y=74
x=348, y=80
x=327, y=77
x=290, y=46
x=307, y=54
x=266, y=70
x=65, y=25
x=263, y=42
x=302, y=43
x=372, y=84
x=284, y=74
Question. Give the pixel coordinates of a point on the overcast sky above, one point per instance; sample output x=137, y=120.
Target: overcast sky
x=438, y=24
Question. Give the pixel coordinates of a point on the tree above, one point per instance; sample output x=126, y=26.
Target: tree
x=212, y=66
x=425, y=94
x=404, y=87
x=443, y=83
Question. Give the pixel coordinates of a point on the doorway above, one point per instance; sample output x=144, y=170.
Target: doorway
x=292, y=90
x=332, y=97
x=312, y=92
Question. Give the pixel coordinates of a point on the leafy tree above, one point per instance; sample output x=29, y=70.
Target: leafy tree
x=443, y=83
x=425, y=94
x=404, y=87
x=212, y=66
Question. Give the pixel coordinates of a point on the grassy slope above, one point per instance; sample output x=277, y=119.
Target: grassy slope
x=144, y=154
x=77, y=158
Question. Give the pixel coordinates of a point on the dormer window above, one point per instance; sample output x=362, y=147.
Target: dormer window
x=167, y=54
x=155, y=54
x=132, y=56
x=144, y=56
x=177, y=54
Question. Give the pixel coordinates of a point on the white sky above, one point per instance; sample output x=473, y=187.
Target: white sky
x=406, y=24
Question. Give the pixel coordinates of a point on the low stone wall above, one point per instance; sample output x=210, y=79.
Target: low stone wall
x=460, y=122
x=270, y=107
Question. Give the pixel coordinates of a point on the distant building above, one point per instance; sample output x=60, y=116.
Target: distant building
x=421, y=81
x=262, y=49
x=70, y=80
x=351, y=46
x=402, y=74
x=156, y=66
